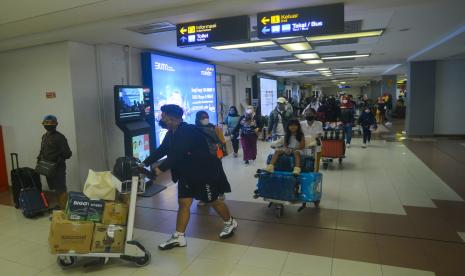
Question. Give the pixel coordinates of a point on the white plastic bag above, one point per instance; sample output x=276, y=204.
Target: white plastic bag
x=99, y=185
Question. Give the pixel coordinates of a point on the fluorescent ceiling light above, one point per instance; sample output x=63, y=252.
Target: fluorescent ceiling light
x=346, y=35
x=244, y=45
x=351, y=73
x=284, y=38
x=344, y=57
x=325, y=72
x=307, y=56
x=294, y=47
x=313, y=61
x=322, y=69
x=279, y=61
x=342, y=82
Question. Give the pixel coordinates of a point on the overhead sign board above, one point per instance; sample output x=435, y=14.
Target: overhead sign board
x=308, y=21
x=213, y=31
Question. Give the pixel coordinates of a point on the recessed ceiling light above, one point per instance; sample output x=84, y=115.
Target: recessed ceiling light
x=345, y=57
x=279, y=61
x=342, y=82
x=294, y=47
x=307, y=56
x=244, y=45
x=313, y=61
x=346, y=35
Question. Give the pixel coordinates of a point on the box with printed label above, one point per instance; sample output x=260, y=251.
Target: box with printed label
x=108, y=238
x=69, y=236
x=77, y=206
x=95, y=211
x=115, y=213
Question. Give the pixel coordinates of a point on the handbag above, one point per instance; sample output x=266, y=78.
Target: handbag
x=100, y=185
x=46, y=168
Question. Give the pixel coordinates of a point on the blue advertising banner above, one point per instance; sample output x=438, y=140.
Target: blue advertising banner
x=187, y=83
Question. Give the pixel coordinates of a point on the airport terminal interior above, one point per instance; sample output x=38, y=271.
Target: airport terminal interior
x=101, y=70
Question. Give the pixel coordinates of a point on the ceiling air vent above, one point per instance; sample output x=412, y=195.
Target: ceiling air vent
x=151, y=28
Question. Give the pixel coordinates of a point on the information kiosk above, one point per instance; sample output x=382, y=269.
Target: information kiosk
x=134, y=116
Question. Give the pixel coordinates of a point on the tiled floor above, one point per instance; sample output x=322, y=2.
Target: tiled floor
x=395, y=208
x=24, y=252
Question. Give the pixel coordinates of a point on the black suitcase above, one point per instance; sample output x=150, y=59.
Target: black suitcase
x=22, y=178
x=28, y=180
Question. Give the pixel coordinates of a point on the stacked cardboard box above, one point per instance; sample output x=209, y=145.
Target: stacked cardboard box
x=87, y=225
x=69, y=236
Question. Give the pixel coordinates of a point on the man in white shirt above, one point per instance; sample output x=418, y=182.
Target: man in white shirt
x=314, y=129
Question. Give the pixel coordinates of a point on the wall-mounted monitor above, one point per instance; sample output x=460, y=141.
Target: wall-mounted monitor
x=191, y=84
x=141, y=146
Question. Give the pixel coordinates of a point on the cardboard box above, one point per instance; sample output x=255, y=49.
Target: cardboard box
x=102, y=238
x=115, y=213
x=77, y=206
x=69, y=236
x=95, y=211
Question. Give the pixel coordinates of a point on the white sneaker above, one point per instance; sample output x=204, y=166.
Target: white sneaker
x=364, y=145
x=228, y=229
x=175, y=241
x=347, y=145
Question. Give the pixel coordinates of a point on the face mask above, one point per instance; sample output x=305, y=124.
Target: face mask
x=232, y=112
x=162, y=124
x=367, y=111
x=345, y=101
x=249, y=111
x=205, y=122
x=310, y=118
x=50, y=128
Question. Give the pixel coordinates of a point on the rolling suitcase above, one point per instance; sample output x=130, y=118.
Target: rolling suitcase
x=27, y=189
x=22, y=178
x=278, y=185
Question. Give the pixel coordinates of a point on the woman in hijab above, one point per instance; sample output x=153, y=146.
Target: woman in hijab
x=249, y=126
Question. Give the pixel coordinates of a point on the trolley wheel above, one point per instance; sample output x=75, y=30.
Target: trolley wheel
x=317, y=203
x=325, y=165
x=66, y=261
x=143, y=261
x=340, y=160
x=279, y=211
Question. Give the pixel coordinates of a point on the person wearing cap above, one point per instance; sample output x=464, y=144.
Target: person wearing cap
x=278, y=119
x=54, y=148
x=195, y=170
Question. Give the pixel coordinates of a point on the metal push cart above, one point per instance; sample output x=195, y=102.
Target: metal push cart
x=133, y=250
x=312, y=195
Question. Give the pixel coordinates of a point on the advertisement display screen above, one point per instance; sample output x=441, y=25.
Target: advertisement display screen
x=141, y=146
x=189, y=84
x=133, y=102
x=268, y=95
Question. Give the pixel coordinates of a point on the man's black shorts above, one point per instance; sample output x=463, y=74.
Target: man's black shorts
x=189, y=188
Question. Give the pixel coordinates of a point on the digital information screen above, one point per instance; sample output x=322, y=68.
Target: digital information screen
x=189, y=84
x=133, y=102
x=141, y=146
x=214, y=31
x=268, y=95
x=309, y=21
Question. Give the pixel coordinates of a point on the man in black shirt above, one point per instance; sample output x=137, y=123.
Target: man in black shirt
x=54, y=148
x=195, y=170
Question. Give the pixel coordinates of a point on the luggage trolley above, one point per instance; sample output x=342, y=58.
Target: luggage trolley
x=282, y=188
x=133, y=250
x=333, y=145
